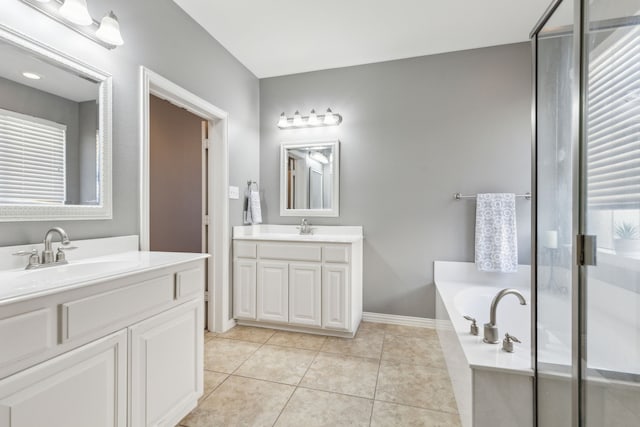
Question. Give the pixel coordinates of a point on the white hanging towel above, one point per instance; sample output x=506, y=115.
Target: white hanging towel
x=496, y=235
x=254, y=207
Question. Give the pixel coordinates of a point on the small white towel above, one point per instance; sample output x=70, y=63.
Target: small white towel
x=496, y=235
x=253, y=214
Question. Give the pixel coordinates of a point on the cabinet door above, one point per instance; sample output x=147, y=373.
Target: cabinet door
x=305, y=293
x=84, y=387
x=244, y=289
x=335, y=297
x=166, y=368
x=273, y=291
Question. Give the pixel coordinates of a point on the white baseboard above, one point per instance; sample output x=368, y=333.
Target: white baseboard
x=393, y=319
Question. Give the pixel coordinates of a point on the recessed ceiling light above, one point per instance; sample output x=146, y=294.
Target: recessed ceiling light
x=32, y=76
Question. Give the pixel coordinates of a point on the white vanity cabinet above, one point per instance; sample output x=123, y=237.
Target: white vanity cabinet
x=309, y=284
x=120, y=351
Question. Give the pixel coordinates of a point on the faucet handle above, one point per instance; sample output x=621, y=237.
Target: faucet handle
x=26, y=253
x=507, y=343
x=473, y=330
x=34, y=258
x=60, y=256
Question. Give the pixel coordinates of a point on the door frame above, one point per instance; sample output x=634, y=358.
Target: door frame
x=151, y=83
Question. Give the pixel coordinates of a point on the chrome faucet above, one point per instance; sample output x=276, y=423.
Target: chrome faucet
x=47, y=254
x=305, y=227
x=48, y=258
x=491, y=328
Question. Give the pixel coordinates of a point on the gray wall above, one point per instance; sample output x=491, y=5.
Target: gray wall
x=415, y=131
x=160, y=36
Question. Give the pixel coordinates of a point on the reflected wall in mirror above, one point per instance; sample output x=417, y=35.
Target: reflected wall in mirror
x=309, y=178
x=55, y=127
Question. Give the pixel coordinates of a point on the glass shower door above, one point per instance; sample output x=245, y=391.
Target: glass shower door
x=556, y=142
x=610, y=303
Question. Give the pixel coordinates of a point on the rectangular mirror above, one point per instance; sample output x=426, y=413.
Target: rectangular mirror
x=55, y=134
x=310, y=178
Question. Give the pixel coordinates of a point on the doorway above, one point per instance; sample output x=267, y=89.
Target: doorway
x=214, y=204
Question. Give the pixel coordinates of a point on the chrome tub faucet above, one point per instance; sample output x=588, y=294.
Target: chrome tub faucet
x=491, y=328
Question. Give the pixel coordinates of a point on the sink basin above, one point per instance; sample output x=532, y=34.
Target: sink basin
x=336, y=234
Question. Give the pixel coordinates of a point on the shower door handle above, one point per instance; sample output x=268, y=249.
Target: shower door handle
x=586, y=249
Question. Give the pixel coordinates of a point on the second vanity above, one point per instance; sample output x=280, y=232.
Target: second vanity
x=308, y=283
x=111, y=340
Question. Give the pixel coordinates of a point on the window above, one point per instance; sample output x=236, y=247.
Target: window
x=613, y=133
x=32, y=160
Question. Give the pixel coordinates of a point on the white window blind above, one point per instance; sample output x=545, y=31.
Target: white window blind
x=32, y=160
x=613, y=133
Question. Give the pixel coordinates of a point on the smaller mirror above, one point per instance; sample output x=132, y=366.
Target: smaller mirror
x=309, y=179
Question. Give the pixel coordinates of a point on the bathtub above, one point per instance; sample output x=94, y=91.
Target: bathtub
x=492, y=387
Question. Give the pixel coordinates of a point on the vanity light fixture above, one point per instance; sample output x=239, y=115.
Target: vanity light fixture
x=312, y=120
x=75, y=15
x=32, y=76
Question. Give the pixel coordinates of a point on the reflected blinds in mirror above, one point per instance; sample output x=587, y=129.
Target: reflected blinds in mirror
x=613, y=125
x=32, y=160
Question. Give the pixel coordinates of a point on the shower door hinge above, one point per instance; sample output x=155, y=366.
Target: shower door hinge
x=586, y=249
x=205, y=143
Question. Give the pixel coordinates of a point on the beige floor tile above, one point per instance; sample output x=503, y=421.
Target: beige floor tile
x=311, y=408
x=211, y=381
x=411, y=331
x=371, y=326
x=279, y=364
x=297, y=340
x=209, y=335
x=414, y=350
x=392, y=415
x=364, y=344
x=342, y=374
x=415, y=385
x=248, y=333
x=223, y=355
x=241, y=402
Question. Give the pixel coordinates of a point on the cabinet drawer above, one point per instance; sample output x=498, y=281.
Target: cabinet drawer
x=244, y=250
x=26, y=334
x=336, y=254
x=290, y=252
x=189, y=282
x=104, y=310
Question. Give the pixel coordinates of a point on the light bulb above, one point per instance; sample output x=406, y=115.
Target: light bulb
x=109, y=30
x=76, y=12
x=297, y=119
x=329, y=117
x=313, y=118
x=43, y=1
x=283, y=122
x=32, y=76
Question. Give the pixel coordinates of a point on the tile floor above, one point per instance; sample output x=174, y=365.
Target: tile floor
x=387, y=375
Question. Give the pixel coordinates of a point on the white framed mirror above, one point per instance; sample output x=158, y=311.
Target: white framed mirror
x=310, y=178
x=55, y=134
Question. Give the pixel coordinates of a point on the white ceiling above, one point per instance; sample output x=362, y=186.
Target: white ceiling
x=55, y=80
x=278, y=37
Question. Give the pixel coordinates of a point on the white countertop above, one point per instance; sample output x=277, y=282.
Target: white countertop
x=290, y=233
x=20, y=284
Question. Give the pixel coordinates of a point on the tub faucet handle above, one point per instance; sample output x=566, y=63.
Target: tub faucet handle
x=473, y=330
x=507, y=343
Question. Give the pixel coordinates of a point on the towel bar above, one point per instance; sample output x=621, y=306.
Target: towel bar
x=458, y=196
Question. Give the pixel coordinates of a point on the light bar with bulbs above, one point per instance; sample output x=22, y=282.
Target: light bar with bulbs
x=75, y=15
x=311, y=121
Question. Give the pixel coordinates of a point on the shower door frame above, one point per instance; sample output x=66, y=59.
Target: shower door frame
x=578, y=154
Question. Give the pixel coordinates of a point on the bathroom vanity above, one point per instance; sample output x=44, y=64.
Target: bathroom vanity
x=310, y=283
x=114, y=340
